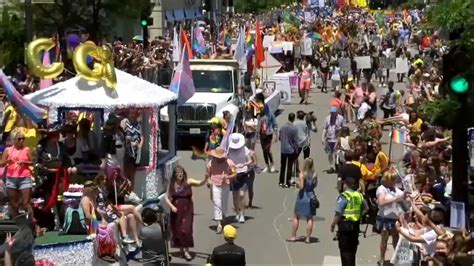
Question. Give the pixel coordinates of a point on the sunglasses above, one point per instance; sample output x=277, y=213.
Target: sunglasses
x=20, y=139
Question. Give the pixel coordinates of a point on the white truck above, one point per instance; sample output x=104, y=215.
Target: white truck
x=216, y=83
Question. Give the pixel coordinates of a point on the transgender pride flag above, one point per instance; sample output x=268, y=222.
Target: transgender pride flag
x=182, y=81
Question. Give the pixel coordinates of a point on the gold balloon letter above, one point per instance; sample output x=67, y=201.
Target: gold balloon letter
x=103, y=67
x=35, y=65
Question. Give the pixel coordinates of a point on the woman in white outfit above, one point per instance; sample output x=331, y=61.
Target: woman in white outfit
x=240, y=155
x=220, y=171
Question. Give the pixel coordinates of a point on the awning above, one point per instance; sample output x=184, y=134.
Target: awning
x=169, y=16
x=179, y=15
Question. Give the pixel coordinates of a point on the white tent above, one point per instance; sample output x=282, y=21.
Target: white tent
x=131, y=91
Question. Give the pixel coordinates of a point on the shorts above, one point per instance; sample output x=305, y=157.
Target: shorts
x=240, y=182
x=305, y=84
x=330, y=147
x=19, y=183
x=385, y=224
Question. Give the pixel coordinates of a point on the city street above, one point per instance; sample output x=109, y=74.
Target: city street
x=264, y=233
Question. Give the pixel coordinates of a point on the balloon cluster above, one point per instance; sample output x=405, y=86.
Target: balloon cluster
x=103, y=62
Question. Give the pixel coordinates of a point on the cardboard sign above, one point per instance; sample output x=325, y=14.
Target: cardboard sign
x=267, y=40
x=387, y=63
x=307, y=47
x=363, y=62
x=345, y=64
x=458, y=215
x=404, y=252
x=282, y=83
x=401, y=65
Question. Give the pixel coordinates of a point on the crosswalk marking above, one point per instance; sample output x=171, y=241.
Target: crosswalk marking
x=331, y=261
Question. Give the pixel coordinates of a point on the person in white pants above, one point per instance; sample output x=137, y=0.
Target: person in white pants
x=220, y=170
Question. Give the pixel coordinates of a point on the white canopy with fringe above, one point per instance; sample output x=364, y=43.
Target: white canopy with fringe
x=131, y=91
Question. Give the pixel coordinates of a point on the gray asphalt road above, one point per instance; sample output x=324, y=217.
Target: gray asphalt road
x=263, y=234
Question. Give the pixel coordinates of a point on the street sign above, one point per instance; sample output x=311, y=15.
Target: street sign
x=42, y=1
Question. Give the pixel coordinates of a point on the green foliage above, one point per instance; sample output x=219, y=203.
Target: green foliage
x=441, y=111
x=12, y=36
x=451, y=15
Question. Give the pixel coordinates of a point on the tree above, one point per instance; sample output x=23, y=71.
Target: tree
x=12, y=34
x=252, y=6
x=451, y=16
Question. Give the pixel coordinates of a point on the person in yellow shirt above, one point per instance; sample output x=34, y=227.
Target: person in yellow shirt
x=414, y=124
x=9, y=120
x=382, y=162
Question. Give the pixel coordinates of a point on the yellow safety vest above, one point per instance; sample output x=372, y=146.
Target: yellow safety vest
x=353, y=209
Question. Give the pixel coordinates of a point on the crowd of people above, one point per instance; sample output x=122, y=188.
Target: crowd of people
x=409, y=198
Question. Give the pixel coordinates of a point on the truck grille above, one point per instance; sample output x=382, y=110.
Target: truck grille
x=196, y=113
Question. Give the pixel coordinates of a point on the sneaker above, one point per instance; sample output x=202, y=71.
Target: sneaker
x=237, y=217
x=128, y=240
x=242, y=219
x=272, y=170
x=219, y=229
x=265, y=170
x=133, y=198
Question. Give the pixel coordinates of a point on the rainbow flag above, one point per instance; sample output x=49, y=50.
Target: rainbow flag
x=182, y=82
x=25, y=106
x=198, y=154
x=398, y=135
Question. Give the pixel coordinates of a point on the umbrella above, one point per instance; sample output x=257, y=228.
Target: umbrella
x=138, y=38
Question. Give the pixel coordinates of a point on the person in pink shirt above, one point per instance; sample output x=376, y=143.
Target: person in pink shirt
x=19, y=183
x=220, y=171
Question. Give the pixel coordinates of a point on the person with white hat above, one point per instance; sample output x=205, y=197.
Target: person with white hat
x=241, y=157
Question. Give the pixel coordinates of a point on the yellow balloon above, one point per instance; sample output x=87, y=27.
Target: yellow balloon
x=104, y=68
x=35, y=65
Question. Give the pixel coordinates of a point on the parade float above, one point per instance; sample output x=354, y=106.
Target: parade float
x=99, y=89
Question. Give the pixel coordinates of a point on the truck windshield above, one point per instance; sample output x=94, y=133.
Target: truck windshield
x=212, y=81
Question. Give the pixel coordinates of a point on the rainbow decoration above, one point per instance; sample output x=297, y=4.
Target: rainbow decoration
x=198, y=154
x=398, y=135
x=25, y=106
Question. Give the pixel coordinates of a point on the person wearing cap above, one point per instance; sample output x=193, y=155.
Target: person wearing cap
x=215, y=135
x=240, y=155
x=333, y=124
x=220, y=172
x=228, y=254
x=350, y=208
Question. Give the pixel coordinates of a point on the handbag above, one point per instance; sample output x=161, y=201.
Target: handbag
x=313, y=201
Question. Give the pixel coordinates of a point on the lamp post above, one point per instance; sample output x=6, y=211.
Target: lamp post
x=28, y=21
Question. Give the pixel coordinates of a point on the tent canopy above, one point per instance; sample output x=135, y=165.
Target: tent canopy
x=131, y=91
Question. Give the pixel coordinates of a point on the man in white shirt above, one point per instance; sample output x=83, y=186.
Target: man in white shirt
x=362, y=111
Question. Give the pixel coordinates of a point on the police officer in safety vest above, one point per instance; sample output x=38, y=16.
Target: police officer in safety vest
x=350, y=208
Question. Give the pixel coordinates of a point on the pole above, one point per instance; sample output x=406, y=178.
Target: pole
x=460, y=158
x=28, y=21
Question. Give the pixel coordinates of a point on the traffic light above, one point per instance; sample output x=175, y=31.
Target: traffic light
x=145, y=22
x=457, y=71
x=206, y=6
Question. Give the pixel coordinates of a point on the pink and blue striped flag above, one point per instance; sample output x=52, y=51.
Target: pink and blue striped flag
x=229, y=130
x=199, y=43
x=182, y=81
x=26, y=107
